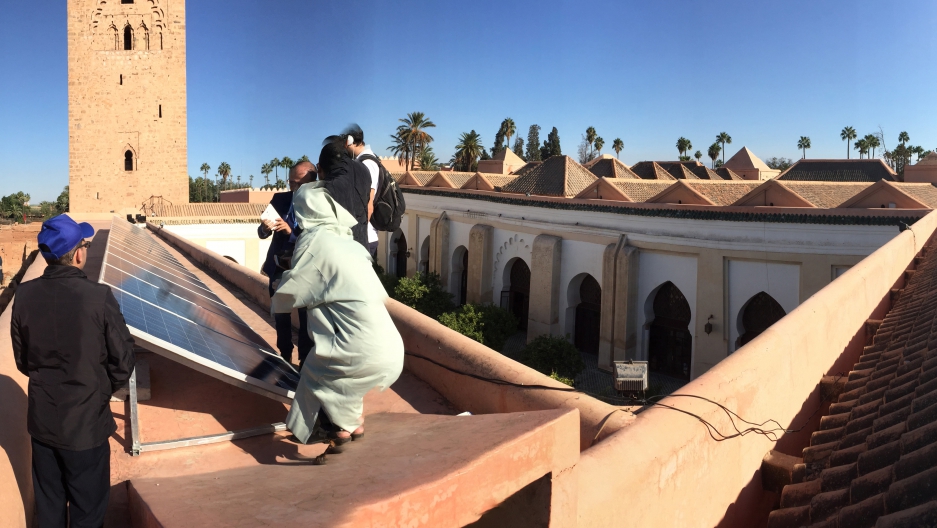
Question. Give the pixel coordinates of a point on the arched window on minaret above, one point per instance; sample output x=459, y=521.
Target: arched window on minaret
x=114, y=35
x=145, y=32
x=128, y=160
x=128, y=38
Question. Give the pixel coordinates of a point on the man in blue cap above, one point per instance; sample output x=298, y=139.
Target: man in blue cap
x=70, y=338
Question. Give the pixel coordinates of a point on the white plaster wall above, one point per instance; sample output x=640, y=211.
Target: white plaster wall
x=577, y=258
x=747, y=278
x=654, y=269
x=227, y=237
x=508, y=245
x=228, y=248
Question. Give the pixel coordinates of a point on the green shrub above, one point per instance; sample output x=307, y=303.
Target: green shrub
x=553, y=355
x=424, y=293
x=561, y=379
x=467, y=320
x=498, y=325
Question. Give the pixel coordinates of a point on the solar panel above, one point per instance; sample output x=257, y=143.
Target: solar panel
x=170, y=311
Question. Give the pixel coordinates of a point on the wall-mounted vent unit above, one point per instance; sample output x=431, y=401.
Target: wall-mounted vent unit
x=631, y=376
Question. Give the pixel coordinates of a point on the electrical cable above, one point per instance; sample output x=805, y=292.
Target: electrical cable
x=714, y=432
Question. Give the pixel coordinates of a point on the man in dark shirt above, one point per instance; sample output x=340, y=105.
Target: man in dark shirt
x=70, y=338
x=284, y=238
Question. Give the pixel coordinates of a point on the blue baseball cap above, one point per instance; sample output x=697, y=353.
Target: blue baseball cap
x=60, y=234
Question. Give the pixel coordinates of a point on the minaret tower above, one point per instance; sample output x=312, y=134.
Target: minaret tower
x=126, y=104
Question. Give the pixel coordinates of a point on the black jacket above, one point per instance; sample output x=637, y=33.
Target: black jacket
x=281, y=202
x=349, y=183
x=70, y=338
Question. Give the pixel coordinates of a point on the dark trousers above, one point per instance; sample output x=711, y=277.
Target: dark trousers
x=72, y=487
x=372, y=249
x=285, y=336
x=284, y=326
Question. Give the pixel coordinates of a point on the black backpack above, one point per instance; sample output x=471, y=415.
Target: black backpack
x=389, y=204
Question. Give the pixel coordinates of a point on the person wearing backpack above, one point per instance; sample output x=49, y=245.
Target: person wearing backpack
x=386, y=206
x=354, y=143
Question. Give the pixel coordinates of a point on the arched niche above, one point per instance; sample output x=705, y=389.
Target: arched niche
x=458, y=276
x=397, y=259
x=758, y=313
x=516, y=293
x=424, y=256
x=583, y=312
x=670, y=343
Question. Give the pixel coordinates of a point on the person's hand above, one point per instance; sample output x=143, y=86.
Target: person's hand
x=281, y=225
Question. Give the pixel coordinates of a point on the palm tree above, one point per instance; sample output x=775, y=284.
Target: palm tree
x=251, y=179
x=413, y=132
x=618, y=145
x=862, y=146
x=224, y=170
x=682, y=145
x=204, y=168
x=590, y=137
x=713, y=153
x=468, y=150
x=903, y=138
x=686, y=151
x=697, y=155
x=724, y=138
x=848, y=134
x=599, y=143
x=399, y=145
x=508, y=129
x=287, y=164
x=872, y=142
x=303, y=158
x=275, y=163
x=919, y=150
x=428, y=161
x=803, y=143
x=266, y=169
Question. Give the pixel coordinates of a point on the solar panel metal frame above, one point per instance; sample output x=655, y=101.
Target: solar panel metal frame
x=192, y=360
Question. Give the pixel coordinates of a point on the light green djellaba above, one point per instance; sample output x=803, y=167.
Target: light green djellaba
x=357, y=346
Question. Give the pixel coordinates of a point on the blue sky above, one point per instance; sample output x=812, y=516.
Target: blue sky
x=272, y=78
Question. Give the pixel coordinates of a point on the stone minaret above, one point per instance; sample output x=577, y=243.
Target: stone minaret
x=126, y=104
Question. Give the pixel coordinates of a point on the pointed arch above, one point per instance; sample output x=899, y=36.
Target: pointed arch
x=144, y=33
x=670, y=347
x=760, y=312
x=128, y=37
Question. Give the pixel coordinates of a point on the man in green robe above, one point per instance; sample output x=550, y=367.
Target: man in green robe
x=357, y=346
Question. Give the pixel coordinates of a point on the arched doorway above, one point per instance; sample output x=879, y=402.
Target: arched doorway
x=400, y=256
x=588, y=316
x=670, y=345
x=424, y=257
x=516, y=297
x=458, y=277
x=760, y=312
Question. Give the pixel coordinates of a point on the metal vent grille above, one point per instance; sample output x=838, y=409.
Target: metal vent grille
x=631, y=376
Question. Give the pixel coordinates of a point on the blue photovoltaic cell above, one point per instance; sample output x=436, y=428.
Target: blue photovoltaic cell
x=160, y=297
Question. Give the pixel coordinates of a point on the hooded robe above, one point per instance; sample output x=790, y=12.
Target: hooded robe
x=357, y=345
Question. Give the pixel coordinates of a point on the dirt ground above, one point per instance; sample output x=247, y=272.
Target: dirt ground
x=17, y=241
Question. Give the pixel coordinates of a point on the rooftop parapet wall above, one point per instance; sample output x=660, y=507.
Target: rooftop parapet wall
x=666, y=470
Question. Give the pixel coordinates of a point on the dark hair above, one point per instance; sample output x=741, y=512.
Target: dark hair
x=357, y=135
x=333, y=153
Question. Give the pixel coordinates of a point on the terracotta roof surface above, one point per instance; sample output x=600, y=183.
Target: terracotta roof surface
x=639, y=190
x=557, y=176
x=205, y=210
x=611, y=168
x=874, y=460
x=422, y=176
x=727, y=174
x=925, y=193
x=723, y=193
x=458, y=178
x=825, y=195
x=529, y=166
x=651, y=170
x=867, y=170
x=679, y=171
x=500, y=180
x=930, y=159
x=704, y=173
